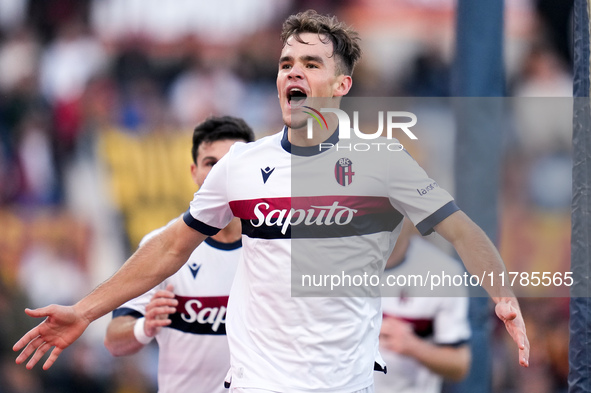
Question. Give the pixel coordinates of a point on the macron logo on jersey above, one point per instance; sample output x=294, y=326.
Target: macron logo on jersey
x=266, y=173
x=194, y=267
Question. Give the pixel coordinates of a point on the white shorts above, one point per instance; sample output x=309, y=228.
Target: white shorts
x=368, y=389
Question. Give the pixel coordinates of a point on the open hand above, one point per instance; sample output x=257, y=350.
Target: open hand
x=61, y=327
x=508, y=311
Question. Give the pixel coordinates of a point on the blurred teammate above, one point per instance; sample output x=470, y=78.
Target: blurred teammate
x=186, y=312
x=281, y=343
x=424, y=339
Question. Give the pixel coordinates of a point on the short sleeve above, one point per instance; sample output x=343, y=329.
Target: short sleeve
x=416, y=195
x=452, y=326
x=451, y=323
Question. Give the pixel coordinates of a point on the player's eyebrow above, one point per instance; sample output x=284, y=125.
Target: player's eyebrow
x=208, y=158
x=285, y=59
x=316, y=59
x=306, y=58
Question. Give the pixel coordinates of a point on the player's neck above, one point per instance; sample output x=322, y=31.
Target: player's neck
x=300, y=137
x=231, y=233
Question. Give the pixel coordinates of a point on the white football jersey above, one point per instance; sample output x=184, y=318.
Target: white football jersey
x=193, y=351
x=305, y=213
x=441, y=320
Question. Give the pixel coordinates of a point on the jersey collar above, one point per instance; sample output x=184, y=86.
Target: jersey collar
x=224, y=246
x=306, y=151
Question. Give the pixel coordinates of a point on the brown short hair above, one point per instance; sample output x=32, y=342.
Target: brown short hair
x=344, y=39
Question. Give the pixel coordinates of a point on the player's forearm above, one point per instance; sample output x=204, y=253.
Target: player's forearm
x=477, y=252
x=450, y=362
x=481, y=258
x=120, y=339
x=158, y=259
x=144, y=270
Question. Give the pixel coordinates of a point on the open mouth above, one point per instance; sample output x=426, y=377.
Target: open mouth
x=296, y=97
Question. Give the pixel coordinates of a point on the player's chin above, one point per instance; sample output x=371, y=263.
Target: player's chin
x=295, y=121
x=297, y=127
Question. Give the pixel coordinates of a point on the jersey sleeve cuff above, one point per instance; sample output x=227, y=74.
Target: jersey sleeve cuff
x=125, y=311
x=455, y=344
x=426, y=226
x=197, y=225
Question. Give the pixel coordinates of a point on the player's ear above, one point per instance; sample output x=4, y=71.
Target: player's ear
x=342, y=85
x=194, y=173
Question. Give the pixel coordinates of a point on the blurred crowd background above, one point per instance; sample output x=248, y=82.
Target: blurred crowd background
x=98, y=99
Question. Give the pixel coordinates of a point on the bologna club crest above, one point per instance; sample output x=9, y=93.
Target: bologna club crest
x=343, y=171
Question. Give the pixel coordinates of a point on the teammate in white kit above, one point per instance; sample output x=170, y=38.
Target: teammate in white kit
x=279, y=342
x=423, y=339
x=186, y=312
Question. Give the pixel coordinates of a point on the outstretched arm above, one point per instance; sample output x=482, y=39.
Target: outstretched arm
x=121, y=340
x=148, y=266
x=480, y=255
